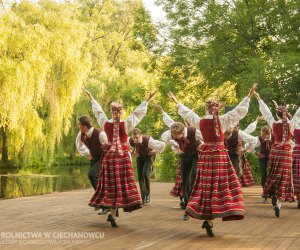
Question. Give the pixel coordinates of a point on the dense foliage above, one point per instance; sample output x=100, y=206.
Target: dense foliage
x=50, y=50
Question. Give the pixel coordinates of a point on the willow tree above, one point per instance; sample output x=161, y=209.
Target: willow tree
x=44, y=66
x=23, y=71
x=121, y=38
x=50, y=50
x=120, y=33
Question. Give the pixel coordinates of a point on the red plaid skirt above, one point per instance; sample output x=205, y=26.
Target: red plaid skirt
x=177, y=190
x=217, y=191
x=296, y=171
x=116, y=185
x=247, y=178
x=279, y=179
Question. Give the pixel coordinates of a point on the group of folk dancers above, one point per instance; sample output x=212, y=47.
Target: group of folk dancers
x=212, y=163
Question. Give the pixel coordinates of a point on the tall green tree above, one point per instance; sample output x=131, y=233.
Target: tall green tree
x=122, y=41
x=238, y=41
x=44, y=65
x=49, y=51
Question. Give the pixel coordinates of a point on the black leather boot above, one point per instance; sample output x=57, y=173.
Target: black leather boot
x=112, y=221
x=208, y=228
x=277, y=211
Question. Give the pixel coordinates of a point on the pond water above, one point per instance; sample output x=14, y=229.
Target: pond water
x=20, y=182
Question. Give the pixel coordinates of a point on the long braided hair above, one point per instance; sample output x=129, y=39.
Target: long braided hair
x=116, y=143
x=214, y=107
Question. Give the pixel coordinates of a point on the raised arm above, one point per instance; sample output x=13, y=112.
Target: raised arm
x=231, y=118
x=99, y=113
x=187, y=114
x=138, y=114
x=97, y=110
x=157, y=146
x=265, y=111
x=166, y=118
x=190, y=116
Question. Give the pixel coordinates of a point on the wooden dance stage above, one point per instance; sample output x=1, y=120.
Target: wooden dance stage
x=65, y=221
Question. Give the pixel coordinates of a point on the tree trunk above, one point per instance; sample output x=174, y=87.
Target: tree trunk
x=4, y=145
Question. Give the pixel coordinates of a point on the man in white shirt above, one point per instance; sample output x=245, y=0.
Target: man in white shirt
x=89, y=143
x=145, y=149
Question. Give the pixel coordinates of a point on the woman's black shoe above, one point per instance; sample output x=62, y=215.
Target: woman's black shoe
x=112, y=221
x=208, y=228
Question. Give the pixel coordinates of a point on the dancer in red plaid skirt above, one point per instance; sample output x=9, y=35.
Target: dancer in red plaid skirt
x=247, y=177
x=217, y=191
x=177, y=190
x=295, y=122
x=116, y=184
x=278, y=185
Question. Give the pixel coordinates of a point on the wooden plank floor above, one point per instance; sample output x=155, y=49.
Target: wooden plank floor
x=156, y=226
